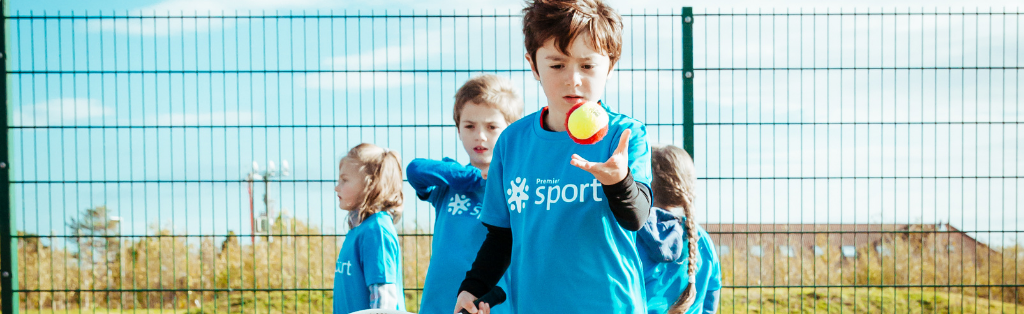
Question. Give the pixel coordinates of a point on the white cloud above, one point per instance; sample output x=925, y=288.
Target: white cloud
x=163, y=27
x=393, y=56
x=420, y=44
x=358, y=81
x=381, y=58
x=217, y=6
x=435, y=6
x=623, y=6
x=206, y=119
x=768, y=5
x=60, y=111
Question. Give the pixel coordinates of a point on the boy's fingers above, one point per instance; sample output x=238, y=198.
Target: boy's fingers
x=581, y=163
x=467, y=307
x=465, y=301
x=623, y=142
x=485, y=308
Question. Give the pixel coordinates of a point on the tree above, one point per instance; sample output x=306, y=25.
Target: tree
x=98, y=244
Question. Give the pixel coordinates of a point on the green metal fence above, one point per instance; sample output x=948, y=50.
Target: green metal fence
x=817, y=135
x=863, y=161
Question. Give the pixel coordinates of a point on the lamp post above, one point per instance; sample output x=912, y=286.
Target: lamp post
x=267, y=215
x=120, y=253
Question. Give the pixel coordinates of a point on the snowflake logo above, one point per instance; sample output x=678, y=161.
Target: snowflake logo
x=517, y=194
x=458, y=204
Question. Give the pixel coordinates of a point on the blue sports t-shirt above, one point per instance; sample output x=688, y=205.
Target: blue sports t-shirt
x=456, y=192
x=665, y=281
x=370, y=255
x=569, y=253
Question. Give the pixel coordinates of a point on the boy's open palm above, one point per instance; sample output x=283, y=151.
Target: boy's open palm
x=614, y=169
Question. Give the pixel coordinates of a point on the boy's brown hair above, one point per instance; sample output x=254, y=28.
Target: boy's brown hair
x=492, y=91
x=564, y=20
x=383, y=189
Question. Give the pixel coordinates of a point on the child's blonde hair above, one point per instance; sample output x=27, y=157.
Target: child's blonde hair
x=383, y=188
x=492, y=91
x=674, y=187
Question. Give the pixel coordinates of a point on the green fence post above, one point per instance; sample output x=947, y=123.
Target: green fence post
x=8, y=259
x=688, y=81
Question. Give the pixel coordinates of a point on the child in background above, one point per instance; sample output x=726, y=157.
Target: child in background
x=368, y=274
x=484, y=106
x=681, y=269
x=562, y=225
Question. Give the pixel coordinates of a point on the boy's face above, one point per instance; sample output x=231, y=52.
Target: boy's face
x=351, y=185
x=568, y=80
x=479, y=127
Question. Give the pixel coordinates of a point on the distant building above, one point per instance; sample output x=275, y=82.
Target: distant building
x=849, y=240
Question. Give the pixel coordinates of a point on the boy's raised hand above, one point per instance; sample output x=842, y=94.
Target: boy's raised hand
x=614, y=169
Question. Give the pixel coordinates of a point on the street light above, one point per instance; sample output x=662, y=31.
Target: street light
x=120, y=250
x=265, y=220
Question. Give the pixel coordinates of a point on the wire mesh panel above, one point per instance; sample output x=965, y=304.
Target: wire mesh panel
x=850, y=161
x=187, y=161
x=862, y=161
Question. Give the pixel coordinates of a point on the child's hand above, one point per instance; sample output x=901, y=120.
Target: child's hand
x=465, y=301
x=612, y=171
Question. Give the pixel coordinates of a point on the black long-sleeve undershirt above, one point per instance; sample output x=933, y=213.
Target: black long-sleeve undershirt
x=629, y=201
x=491, y=262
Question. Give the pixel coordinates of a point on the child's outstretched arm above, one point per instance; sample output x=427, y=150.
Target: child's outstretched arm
x=425, y=175
x=630, y=201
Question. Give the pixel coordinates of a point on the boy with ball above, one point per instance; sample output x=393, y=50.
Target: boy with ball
x=562, y=200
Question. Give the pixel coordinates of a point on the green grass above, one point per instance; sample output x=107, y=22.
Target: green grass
x=103, y=311
x=857, y=300
x=262, y=302
x=271, y=303
x=754, y=300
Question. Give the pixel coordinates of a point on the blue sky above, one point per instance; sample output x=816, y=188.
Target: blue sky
x=622, y=5
x=199, y=126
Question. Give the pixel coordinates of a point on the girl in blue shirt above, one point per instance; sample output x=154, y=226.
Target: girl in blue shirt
x=368, y=274
x=681, y=270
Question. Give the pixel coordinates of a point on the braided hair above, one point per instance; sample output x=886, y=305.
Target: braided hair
x=674, y=188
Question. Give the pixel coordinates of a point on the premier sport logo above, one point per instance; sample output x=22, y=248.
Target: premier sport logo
x=549, y=192
x=517, y=194
x=461, y=204
x=458, y=204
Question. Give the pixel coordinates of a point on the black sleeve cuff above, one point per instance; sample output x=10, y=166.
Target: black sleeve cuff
x=629, y=201
x=475, y=287
x=621, y=187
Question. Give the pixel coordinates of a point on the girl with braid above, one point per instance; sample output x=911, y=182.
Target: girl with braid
x=681, y=269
